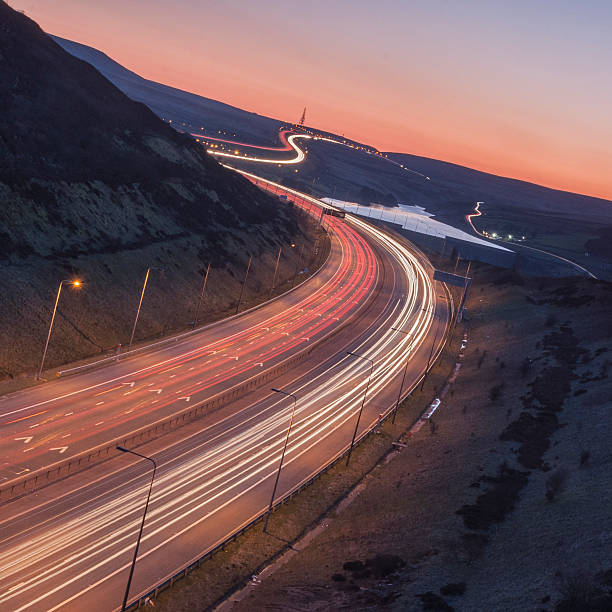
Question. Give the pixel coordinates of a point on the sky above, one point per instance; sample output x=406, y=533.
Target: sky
x=519, y=88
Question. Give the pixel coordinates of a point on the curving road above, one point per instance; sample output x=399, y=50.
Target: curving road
x=69, y=546
x=477, y=213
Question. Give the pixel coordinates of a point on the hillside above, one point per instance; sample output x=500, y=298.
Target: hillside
x=94, y=184
x=171, y=103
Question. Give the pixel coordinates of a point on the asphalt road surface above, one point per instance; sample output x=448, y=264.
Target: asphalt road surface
x=69, y=546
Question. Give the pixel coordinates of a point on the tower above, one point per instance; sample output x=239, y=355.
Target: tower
x=303, y=118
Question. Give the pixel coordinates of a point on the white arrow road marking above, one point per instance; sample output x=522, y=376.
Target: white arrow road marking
x=266, y=329
x=130, y=384
x=99, y=403
x=236, y=358
x=307, y=339
x=69, y=413
x=158, y=391
x=61, y=449
x=26, y=439
x=260, y=364
x=185, y=397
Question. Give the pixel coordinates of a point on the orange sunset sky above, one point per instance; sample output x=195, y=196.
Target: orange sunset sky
x=521, y=89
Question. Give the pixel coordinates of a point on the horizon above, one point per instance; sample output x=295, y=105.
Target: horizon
x=558, y=137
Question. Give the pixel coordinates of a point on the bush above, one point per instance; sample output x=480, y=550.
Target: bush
x=585, y=455
x=495, y=392
x=550, y=320
x=556, y=482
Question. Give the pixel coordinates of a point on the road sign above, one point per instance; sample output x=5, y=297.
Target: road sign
x=450, y=278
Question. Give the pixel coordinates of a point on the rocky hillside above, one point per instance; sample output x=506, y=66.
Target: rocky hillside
x=93, y=183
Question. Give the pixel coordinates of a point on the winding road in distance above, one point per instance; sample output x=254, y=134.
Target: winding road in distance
x=69, y=545
x=478, y=213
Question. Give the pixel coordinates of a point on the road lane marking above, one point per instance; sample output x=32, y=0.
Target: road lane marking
x=26, y=417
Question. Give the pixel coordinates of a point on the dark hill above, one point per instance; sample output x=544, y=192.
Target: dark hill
x=79, y=155
x=94, y=185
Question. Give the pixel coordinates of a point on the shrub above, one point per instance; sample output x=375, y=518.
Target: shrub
x=556, y=482
x=585, y=455
x=495, y=392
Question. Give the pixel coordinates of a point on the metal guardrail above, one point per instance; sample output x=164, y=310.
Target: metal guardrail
x=191, y=332
x=33, y=481
x=144, y=597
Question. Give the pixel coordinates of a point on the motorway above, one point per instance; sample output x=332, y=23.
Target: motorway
x=51, y=422
x=69, y=546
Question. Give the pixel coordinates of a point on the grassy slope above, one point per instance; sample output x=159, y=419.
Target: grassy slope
x=508, y=560
x=94, y=186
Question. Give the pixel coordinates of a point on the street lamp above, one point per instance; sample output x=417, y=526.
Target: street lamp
x=280, y=465
x=433, y=344
x=348, y=458
x=74, y=283
x=144, y=515
x=244, y=283
x=399, y=395
x=195, y=318
x=297, y=264
x=144, y=287
x=280, y=250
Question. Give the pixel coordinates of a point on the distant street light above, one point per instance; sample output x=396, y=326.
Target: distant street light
x=282, y=455
x=348, y=458
x=144, y=287
x=297, y=264
x=433, y=344
x=195, y=317
x=144, y=515
x=399, y=395
x=244, y=282
x=280, y=250
x=74, y=283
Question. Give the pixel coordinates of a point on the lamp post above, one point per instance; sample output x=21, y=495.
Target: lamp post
x=74, y=283
x=244, y=283
x=280, y=465
x=399, y=395
x=144, y=515
x=195, y=317
x=433, y=344
x=348, y=458
x=297, y=265
x=280, y=250
x=144, y=287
